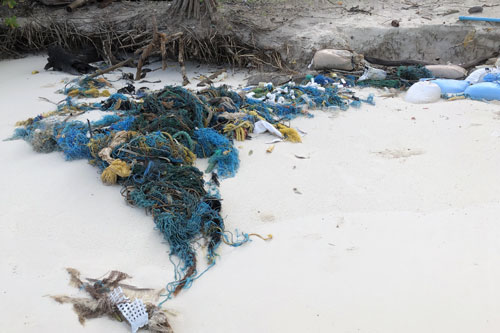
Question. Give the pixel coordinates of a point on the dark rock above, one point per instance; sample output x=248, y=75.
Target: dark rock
x=475, y=9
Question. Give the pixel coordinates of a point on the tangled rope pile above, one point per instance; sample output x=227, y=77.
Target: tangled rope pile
x=148, y=145
x=402, y=77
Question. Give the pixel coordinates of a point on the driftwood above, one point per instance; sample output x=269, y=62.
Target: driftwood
x=112, y=68
x=159, y=41
x=185, y=80
x=208, y=80
x=147, y=51
x=407, y=62
x=478, y=61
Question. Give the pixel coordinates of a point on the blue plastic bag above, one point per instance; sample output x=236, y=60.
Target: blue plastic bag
x=484, y=91
x=449, y=86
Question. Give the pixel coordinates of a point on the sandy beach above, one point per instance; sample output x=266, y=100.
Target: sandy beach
x=385, y=219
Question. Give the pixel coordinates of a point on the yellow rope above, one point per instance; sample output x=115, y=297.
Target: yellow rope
x=117, y=168
x=239, y=129
x=255, y=114
x=290, y=134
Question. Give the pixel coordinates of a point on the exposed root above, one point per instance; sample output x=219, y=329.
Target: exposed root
x=112, y=42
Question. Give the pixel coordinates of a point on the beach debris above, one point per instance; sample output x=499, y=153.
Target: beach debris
x=400, y=77
x=479, y=74
x=274, y=141
x=395, y=63
x=488, y=91
x=128, y=89
x=289, y=133
x=296, y=191
x=373, y=74
x=413, y=73
x=447, y=71
x=250, y=152
x=423, y=92
x=270, y=149
x=356, y=9
x=301, y=131
x=334, y=59
x=134, y=312
x=128, y=76
x=34, y=72
x=147, y=143
x=276, y=78
x=480, y=19
x=475, y=10
x=449, y=12
x=215, y=77
x=112, y=68
x=147, y=81
x=302, y=157
x=395, y=23
x=262, y=126
x=109, y=297
x=449, y=86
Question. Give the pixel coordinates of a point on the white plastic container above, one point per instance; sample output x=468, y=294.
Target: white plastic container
x=423, y=92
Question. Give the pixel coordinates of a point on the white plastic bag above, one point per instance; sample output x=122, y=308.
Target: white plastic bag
x=423, y=92
x=479, y=74
x=263, y=126
x=373, y=74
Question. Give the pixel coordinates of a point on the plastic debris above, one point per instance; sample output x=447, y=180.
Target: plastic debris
x=451, y=86
x=134, y=312
x=423, y=92
x=373, y=74
x=147, y=143
x=484, y=91
x=479, y=74
x=263, y=126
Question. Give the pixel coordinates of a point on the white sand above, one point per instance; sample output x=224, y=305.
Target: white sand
x=396, y=229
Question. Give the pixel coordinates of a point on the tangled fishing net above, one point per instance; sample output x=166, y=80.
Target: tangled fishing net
x=403, y=77
x=148, y=145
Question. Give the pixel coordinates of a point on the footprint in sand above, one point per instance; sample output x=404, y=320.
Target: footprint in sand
x=399, y=153
x=265, y=217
